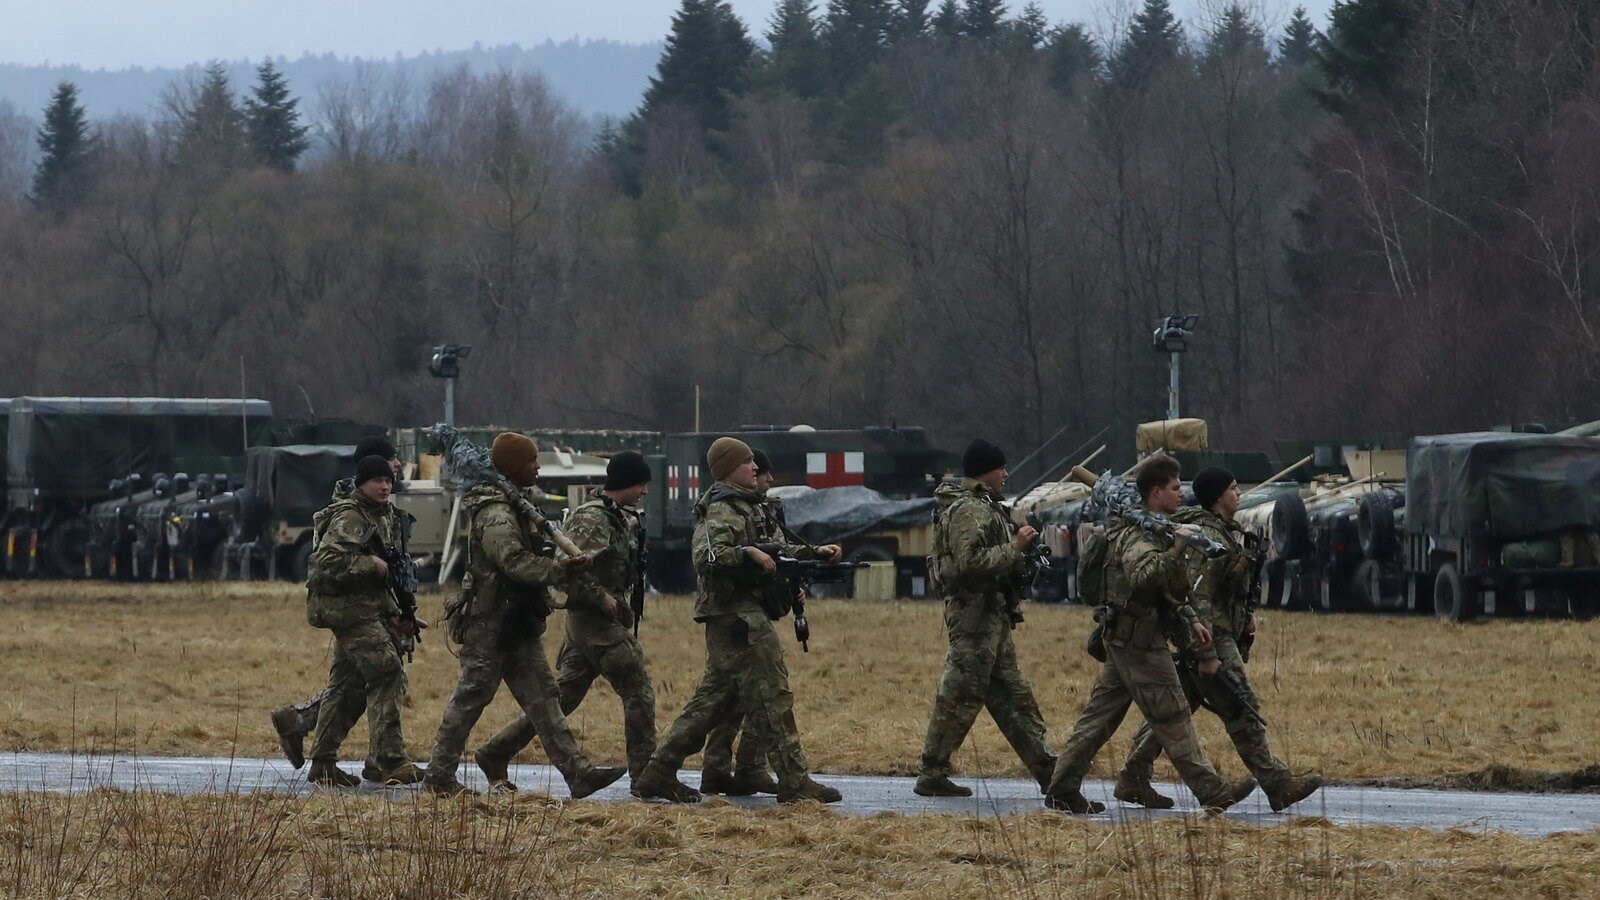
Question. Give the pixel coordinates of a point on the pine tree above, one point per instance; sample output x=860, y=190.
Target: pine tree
x=272, y=120
x=947, y=21
x=1074, y=56
x=910, y=21
x=1236, y=36
x=1154, y=39
x=1299, y=42
x=66, y=170
x=857, y=31
x=796, y=57
x=212, y=130
x=1362, y=50
x=981, y=19
x=1032, y=27
x=703, y=65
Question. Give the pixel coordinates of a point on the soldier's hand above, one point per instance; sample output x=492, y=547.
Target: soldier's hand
x=1210, y=666
x=830, y=552
x=576, y=563
x=1202, y=636
x=1250, y=626
x=760, y=558
x=1026, y=535
x=1183, y=534
x=404, y=627
x=381, y=566
x=609, y=605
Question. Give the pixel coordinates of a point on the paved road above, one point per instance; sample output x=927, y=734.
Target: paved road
x=1531, y=815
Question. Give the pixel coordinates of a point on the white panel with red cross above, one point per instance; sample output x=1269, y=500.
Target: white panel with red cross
x=836, y=469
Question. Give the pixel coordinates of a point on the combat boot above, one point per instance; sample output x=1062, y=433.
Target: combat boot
x=753, y=781
x=593, y=779
x=1230, y=795
x=495, y=768
x=939, y=786
x=285, y=721
x=718, y=781
x=1139, y=791
x=1293, y=791
x=656, y=783
x=1073, y=801
x=327, y=774
x=392, y=776
x=451, y=788
x=810, y=790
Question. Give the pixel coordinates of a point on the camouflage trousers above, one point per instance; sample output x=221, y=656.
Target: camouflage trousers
x=744, y=671
x=595, y=647
x=366, y=677
x=981, y=672
x=489, y=657
x=1139, y=673
x=720, y=755
x=1248, y=732
x=308, y=710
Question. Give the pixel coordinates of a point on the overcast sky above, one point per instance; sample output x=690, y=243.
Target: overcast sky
x=120, y=33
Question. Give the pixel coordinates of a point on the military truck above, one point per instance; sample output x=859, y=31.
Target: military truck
x=269, y=523
x=64, y=452
x=1500, y=523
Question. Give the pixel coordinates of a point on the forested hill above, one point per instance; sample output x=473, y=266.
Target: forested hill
x=598, y=78
x=954, y=214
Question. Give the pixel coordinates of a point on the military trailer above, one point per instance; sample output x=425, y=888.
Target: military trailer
x=897, y=463
x=270, y=520
x=64, y=452
x=1501, y=523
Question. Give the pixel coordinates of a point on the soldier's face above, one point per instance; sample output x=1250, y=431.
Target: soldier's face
x=394, y=467
x=529, y=476
x=764, y=482
x=376, y=489
x=996, y=480
x=1228, y=503
x=631, y=496
x=1166, y=498
x=744, y=476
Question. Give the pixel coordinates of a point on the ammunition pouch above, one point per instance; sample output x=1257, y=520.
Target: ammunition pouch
x=1137, y=627
x=1105, y=619
x=523, y=619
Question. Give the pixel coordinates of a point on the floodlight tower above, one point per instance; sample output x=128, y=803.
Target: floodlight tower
x=446, y=364
x=1172, y=338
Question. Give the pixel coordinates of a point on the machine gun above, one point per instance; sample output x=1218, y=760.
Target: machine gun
x=797, y=574
x=402, y=583
x=1118, y=497
x=470, y=465
x=1036, y=563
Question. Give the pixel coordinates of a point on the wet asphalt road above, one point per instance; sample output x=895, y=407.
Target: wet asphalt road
x=1530, y=815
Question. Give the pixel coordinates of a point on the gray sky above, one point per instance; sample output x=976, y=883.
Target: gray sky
x=120, y=33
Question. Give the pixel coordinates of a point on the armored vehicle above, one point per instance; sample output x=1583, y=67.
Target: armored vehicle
x=63, y=452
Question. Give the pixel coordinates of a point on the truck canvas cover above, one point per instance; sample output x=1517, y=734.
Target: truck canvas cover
x=74, y=446
x=298, y=480
x=839, y=514
x=1505, y=485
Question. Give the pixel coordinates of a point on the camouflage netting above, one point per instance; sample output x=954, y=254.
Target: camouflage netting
x=839, y=514
x=74, y=446
x=297, y=480
x=1505, y=485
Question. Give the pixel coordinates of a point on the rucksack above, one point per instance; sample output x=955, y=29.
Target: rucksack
x=1094, y=557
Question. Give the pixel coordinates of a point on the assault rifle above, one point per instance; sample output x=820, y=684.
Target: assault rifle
x=1254, y=551
x=402, y=582
x=1189, y=665
x=1118, y=497
x=636, y=601
x=1036, y=562
x=801, y=573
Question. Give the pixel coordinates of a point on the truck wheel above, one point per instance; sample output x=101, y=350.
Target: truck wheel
x=1291, y=527
x=1375, y=524
x=300, y=563
x=1453, y=599
x=1366, y=586
x=65, y=547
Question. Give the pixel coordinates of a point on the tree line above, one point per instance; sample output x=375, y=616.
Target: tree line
x=951, y=214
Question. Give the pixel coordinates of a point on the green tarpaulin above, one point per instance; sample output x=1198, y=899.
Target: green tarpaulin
x=298, y=480
x=1507, y=486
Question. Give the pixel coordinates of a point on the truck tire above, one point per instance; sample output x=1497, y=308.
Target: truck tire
x=1453, y=599
x=300, y=562
x=65, y=547
x=249, y=514
x=1291, y=527
x=1375, y=523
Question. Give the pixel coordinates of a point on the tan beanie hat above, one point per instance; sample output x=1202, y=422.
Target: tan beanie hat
x=727, y=454
x=512, y=452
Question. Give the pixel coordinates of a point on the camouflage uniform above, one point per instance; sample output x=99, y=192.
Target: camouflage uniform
x=1220, y=600
x=596, y=644
x=345, y=593
x=1145, y=585
x=975, y=558
x=744, y=658
x=498, y=618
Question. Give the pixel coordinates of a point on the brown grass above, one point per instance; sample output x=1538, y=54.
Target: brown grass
x=193, y=670
x=111, y=843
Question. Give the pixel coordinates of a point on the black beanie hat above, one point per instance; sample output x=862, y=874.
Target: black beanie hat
x=763, y=461
x=372, y=466
x=375, y=445
x=1211, y=484
x=981, y=458
x=625, y=470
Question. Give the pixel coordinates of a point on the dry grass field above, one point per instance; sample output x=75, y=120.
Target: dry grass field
x=415, y=847
x=194, y=669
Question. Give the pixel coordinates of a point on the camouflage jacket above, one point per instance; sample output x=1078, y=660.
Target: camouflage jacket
x=509, y=565
x=727, y=520
x=1146, y=577
x=343, y=584
x=975, y=554
x=600, y=526
x=1220, y=586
